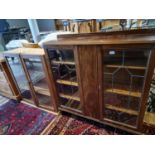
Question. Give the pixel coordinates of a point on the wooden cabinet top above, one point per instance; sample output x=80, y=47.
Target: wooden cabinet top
x=25, y=51
x=106, y=38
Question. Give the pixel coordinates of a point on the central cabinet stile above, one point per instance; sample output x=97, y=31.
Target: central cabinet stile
x=88, y=65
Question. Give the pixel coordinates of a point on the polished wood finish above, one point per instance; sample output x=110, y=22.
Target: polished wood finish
x=106, y=41
x=146, y=88
x=88, y=51
x=87, y=57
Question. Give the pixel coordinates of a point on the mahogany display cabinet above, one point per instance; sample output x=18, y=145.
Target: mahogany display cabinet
x=29, y=69
x=105, y=77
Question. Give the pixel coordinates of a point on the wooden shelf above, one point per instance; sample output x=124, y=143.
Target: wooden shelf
x=129, y=67
x=123, y=92
x=64, y=62
x=128, y=111
x=42, y=84
x=41, y=87
x=74, y=96
x=67, y=82
x=149, y=118
x=42, y=91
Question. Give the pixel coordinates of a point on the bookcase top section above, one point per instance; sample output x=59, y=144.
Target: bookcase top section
x=106, y=38
x=26, y=51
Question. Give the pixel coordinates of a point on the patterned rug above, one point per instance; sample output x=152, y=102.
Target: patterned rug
x=21, y=119
x=66, y=125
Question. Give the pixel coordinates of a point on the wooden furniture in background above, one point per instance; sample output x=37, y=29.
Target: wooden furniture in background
x=7, y=84
x=77, y=26
x=30, y=45
x=105, y=23
x=103, y=76
x=32, y=78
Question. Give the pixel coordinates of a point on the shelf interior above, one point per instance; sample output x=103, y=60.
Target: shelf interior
x=70, y=104
x=64, y=71
x=127, y=66
x=122, y=117
x=120, y=109
x=74, y=96
x=67, y=82
x=124, y=74
x=63, y=62
x=123, y=92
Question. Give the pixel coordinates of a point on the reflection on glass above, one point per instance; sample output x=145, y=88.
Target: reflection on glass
x=64, y=71
x=20, y=78
x=38, y=78
x=124, y=73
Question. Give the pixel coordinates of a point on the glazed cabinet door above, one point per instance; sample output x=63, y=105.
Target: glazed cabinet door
x=124, y=73
x=63, y=67
x=16, y=69
x=35, y=68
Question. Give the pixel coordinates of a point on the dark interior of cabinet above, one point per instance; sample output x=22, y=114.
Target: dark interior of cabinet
x=64, y=71
x=124, y=74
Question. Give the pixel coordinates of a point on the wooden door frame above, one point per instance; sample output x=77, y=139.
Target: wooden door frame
x=146, y=87
x=146, y=84
x=48, y=78
x=35, y=100
x=54, y=90
x=46, y=71
x=12, y=74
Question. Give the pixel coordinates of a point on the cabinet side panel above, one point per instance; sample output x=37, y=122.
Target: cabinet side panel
x=88, y=68
x=147, y=84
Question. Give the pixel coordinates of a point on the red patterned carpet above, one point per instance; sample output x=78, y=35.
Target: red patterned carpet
x=21, y=119
x=66, y=125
